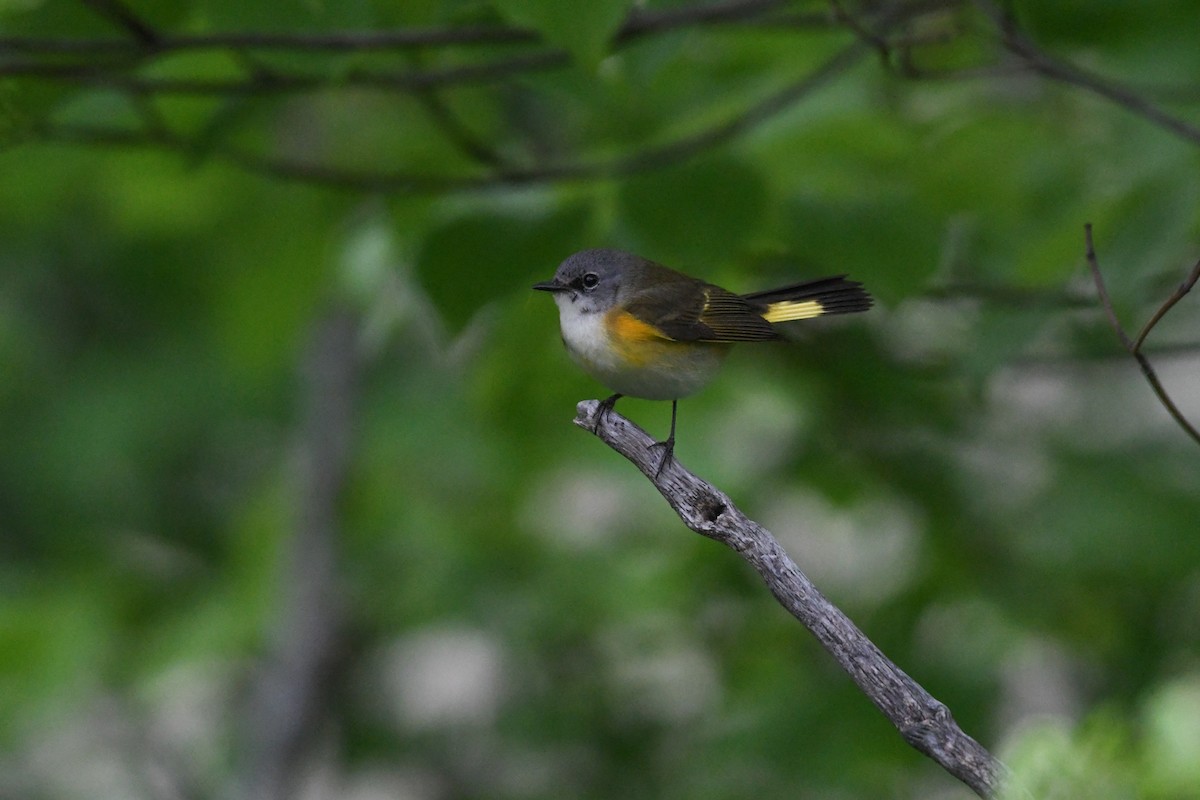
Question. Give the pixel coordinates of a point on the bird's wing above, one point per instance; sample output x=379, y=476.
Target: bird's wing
x=700, y=312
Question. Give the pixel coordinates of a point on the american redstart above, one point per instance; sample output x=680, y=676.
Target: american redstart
x=647, y=331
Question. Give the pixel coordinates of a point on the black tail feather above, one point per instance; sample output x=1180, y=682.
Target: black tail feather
x=837, y=295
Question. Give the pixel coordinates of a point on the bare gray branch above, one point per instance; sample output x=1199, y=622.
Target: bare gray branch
x=923, y=721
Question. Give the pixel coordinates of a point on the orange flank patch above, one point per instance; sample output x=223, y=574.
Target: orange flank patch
x=789, y=310
x=625, y=327
x=638, y=342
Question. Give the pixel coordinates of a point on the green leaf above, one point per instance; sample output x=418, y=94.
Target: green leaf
x=583, y=29
x=875, y=240
x=699, y=213
x=479, y=257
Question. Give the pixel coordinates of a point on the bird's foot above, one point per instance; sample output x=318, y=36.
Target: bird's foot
x=606, y=406
x=668, y=454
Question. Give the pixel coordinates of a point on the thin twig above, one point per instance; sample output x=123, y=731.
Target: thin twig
x=859, y=29
x=123, y=16
x=1175, y=297
x=1041, y=62
x=1102, y=290
x=455, y=129
x=749, y=119
x=1134, y=348
x=923, y=721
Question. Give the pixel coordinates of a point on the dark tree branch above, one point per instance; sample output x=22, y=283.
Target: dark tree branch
x=151, y=44
x=642, y=22
x=122, y=15
x=923, y=721
x=333, y=42
x=639, y=23
x=883, y=28
x=263, y=83
x=859, y=28
x=1041, y=62
x=497, y=171
x=372, y=180
x=1134, y=347
x=1029, y=57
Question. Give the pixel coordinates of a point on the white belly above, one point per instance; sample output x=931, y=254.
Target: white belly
x=675, y=371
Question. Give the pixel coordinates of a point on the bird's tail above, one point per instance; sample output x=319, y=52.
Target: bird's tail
x=810, y=299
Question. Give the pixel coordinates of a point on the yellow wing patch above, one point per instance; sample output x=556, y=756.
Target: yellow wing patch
x=789, y=310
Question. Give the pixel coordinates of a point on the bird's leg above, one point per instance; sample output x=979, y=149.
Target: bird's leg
x=668, y=446
x=605, y=407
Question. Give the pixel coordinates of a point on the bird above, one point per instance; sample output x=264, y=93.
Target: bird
x=648, y=331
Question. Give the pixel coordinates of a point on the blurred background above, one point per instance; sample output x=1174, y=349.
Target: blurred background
x=291, y=504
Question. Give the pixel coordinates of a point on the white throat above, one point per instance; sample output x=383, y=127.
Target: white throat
x=671, y=371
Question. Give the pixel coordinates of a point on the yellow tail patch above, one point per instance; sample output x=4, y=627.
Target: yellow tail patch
x=789, y=310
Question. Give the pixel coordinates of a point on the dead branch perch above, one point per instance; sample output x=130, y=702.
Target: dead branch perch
x=924, y=722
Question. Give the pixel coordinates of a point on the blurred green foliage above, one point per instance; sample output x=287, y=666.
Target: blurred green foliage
x=974, y=470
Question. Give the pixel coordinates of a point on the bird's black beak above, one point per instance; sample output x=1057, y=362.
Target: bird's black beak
x=550, y=286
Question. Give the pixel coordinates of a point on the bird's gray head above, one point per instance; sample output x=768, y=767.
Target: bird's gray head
x=591, y=280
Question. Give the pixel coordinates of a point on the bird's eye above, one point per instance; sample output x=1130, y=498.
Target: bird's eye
x=590, y=280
